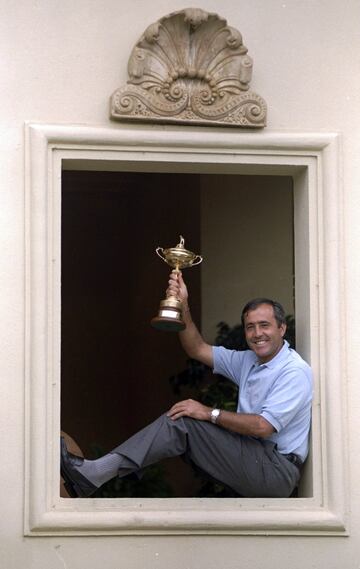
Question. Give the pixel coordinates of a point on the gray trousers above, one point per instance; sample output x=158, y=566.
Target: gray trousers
x=251, y=467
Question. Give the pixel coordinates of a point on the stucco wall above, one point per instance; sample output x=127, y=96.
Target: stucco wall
x=60, y=62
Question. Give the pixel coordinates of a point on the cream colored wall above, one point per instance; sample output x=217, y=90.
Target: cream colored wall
x=60, y=62
x=247, y=244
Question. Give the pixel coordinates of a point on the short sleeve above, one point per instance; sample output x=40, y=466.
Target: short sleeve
x=228, y=363
x=289, y=394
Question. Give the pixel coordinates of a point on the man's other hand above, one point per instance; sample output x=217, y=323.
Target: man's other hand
x=190, y=408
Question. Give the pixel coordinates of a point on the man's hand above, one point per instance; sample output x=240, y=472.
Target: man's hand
x=177, y=287
x=190, y=408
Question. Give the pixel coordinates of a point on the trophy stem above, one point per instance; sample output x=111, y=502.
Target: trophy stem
x=169, y=318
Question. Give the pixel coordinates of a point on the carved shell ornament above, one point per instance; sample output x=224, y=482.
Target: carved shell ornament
x=190, y=67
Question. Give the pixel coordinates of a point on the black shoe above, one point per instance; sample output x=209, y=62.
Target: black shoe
x=75, y=483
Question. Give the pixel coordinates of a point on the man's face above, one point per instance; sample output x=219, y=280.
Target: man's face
x=263, y=334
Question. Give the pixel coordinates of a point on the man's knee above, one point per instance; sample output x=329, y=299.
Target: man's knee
x=184, y=424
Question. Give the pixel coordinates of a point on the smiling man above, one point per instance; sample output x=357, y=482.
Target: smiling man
x=264, y=325
x=258, y=450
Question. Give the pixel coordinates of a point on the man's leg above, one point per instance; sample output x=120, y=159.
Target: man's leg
x=249, y=466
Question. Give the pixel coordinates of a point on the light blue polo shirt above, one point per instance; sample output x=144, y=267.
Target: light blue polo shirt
x=279, y=390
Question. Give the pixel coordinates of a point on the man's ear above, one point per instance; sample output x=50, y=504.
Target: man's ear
x=283, y=329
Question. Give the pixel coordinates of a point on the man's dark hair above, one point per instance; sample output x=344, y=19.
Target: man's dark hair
x=279, y=312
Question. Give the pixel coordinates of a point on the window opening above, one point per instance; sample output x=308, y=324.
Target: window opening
x=112, y=282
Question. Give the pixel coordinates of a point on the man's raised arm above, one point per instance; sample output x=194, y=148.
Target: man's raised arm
x=191, y=339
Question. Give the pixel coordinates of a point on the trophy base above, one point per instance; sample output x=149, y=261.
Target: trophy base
x=167, y=324
x=169, y=316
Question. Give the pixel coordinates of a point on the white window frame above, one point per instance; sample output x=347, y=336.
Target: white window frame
x=313, y=160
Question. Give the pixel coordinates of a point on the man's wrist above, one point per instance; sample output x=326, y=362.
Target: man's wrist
x=186, y=314
x=185, y=307
x=214, y=415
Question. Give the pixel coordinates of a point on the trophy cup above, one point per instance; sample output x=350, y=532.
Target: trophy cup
x=169, y=317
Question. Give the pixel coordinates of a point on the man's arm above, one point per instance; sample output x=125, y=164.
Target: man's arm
x=190, y=338
x=196, y=347
x=244, y=424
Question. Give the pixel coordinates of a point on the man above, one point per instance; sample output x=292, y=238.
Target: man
x=258, y=450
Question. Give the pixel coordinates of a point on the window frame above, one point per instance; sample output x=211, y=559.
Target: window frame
x=313, y=160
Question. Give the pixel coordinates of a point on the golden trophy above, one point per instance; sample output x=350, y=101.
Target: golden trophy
x=169, y=317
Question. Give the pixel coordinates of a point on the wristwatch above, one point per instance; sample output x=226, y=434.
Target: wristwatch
x=214, y=415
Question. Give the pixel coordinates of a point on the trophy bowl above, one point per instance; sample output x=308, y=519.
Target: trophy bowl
x=169, y=318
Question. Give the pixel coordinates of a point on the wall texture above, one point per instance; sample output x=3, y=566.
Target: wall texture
x=60, y=62
x=247, y=224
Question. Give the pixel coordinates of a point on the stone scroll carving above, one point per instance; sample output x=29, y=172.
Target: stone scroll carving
x=190, y=67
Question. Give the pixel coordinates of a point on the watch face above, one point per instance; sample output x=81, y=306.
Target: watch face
x=214, y=414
